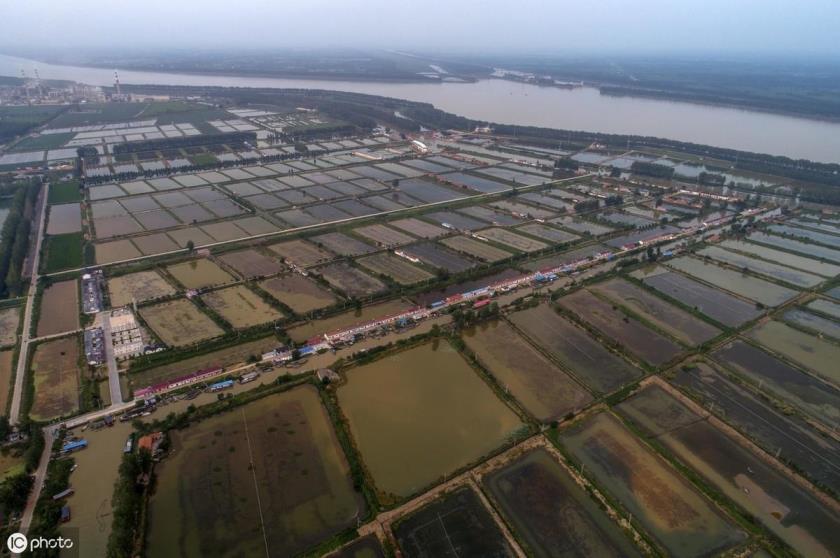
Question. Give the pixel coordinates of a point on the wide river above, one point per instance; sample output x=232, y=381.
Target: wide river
x=515, y=103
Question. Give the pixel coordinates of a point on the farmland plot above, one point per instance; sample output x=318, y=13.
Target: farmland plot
x=55, y=376
x=211, y=495
x=198, y=274
x=813, y=323
x=251, y=263
x=718, y=305
x=117, y=250
x=785, y=258
x=59, y=308
x=545, y=390
x=492, y=216
x=240, y=306
x=179, y=322
x=680, y=519
x=155, y=243
x=637, y=338
x=817, y=355
x=569, y=256
x=9, y=320
x=299, y=293
x=554, y=236
x=792, y=438
x=384, y=236
x=138, y=287
x=783, y=273
x=348, y=279
x=816, y=399
x=419, y=228
x=301, y=252
x=669, y=318
x=515, y=241
x=598, y=368
x=483, y=251
x=551, y=514
x=454, y=526
x=437, y=256
x=342, y=244
x=825, y=307
x=395, y=267
x=65, y=218
x=736, y=282
x=785, y=508
x=809, y=249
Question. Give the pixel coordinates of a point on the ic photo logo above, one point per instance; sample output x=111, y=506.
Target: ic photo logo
x=17, y=543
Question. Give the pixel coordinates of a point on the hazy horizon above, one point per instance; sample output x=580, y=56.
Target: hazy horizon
x=714, y=27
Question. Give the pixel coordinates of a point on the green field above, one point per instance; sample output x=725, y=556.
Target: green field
x=169, y=107
x=17, y=121
x=47, y=141
x=64, y=192
x=98, y=113
x=63, y=251
x=204, y=159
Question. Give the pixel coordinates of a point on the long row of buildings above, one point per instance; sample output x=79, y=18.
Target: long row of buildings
x=334, y=339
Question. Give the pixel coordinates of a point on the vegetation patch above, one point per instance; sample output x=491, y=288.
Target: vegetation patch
x=55, y=378
x=64, y=192
x=64, y=251
x=179, y=322
x=59, y=308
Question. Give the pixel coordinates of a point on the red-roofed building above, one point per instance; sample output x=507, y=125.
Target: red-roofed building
x=150, y=442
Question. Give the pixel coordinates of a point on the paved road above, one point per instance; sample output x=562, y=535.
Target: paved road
x=111, y=359
x=40, y=475
x=14, y=411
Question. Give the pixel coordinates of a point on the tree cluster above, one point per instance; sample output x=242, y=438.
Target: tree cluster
x=14, y=238
x=463, y=318
x=128, y=503
x=652, y=169
x=586, y=205
x=711, y=179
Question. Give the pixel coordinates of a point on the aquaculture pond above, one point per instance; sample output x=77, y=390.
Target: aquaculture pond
x=552, y=515
x=777, y=501
x=679, y=518
x=269, y=477
x=421, y=414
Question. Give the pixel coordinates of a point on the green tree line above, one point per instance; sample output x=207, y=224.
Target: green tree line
x=14, y=238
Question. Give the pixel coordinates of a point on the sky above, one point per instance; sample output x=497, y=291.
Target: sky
x=489, y=26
